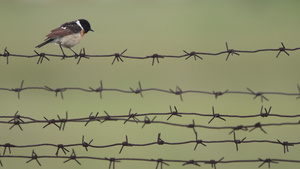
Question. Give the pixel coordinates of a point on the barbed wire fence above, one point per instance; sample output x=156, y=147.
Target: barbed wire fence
x=150, y=118
x=155, y=57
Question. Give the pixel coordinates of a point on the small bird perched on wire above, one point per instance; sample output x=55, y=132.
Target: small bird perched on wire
x=68, y=35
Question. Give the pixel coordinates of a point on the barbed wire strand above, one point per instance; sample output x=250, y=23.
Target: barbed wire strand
x=118, y=56
x=159, y=161
x=18, y=120
x=264, y=112
x=159, y=141
x=140, y=90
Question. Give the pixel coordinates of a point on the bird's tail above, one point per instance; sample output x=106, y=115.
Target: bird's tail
x=44, y=43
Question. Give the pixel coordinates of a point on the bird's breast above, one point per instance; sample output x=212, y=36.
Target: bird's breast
x=70, y=40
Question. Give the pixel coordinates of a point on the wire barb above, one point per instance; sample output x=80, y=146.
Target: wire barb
x=118, y=56
x=51, y=121
x=92, y=118
x=282, y=49
x=34, y=156
x=239, y=127
x=193, y=127
x=161, y=162
x=148, y=121
x=199, y=142
x=138, y=90
x=268, y=160
x=217, y=94
x=41, y=57
x=112, y=161
x=215, y=115
x=237, y=141
x=62, y=121
x=5, y=54
x=99, y=89
x=213, y=162
x=267, y=112
x=18, y=90
x=177, y=91
x=175, y=113
x=124, y=143
x=191, y=162
x=159, y=140
x=193, y=53
x=62, y=147
x=132, y=116
x=298, y=86
x=8, y=146
x=107, y=117
x=81, y=55
x=262, y=97
x=155, y=56
x=85, y=144
x=285, y=145
x=73, y=157
x=58, y=90
x=16, y=120
x=230, y=51
x=258, y=125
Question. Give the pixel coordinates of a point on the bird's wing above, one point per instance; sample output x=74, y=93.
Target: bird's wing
x=59, y=32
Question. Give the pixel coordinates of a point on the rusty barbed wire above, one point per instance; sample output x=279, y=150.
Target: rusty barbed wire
x=178, y=91
x=118, y=56
x=159, y=141
x=60, y=123
x=159, y=162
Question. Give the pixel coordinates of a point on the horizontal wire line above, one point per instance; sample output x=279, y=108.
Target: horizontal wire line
x=119, y=56
x=178, y=91
x=158, y=161
x=148, y=144
x=18, y=120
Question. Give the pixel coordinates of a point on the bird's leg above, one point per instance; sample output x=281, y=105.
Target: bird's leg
x=62, y=52
x=76, y=55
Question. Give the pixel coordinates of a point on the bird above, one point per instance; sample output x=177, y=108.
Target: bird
x=68, y=35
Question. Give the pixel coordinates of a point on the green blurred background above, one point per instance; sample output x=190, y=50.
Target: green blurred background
x=144, y=28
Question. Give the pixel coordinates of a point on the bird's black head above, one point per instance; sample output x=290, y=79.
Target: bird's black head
x=85, y=25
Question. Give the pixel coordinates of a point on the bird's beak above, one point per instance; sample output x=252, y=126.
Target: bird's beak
x=92, y=30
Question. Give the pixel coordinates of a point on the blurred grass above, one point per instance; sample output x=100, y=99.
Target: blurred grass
x=144, y=28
